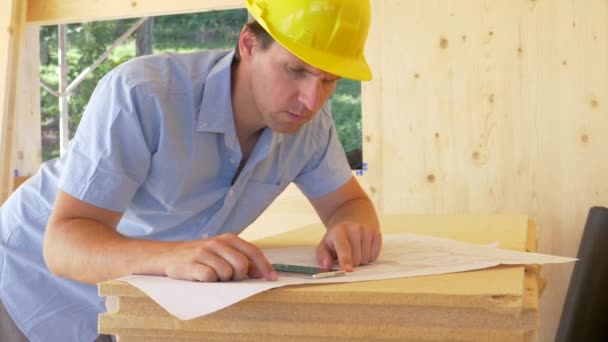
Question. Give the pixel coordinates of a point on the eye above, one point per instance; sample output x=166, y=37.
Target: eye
x=295, y=71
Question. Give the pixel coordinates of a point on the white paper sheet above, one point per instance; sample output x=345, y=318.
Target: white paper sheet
x=403, y=255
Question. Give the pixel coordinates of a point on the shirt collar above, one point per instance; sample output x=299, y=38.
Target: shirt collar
x=216, y=106
x=216, y=114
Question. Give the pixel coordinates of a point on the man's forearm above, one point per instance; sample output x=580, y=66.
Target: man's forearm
x=360, y=210
x=89, y=252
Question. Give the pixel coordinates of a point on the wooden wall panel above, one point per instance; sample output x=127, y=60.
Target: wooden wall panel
x=447, y=106
x=28, y=145
x=497, y=107
x=371, y=109
x=12, y=22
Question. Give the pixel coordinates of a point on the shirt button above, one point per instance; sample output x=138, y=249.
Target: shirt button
x=205, y=235
x=232, y=161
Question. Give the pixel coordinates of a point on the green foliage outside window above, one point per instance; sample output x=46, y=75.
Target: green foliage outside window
x=182, y=33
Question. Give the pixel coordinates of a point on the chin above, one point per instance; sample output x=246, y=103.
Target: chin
x=285, y=129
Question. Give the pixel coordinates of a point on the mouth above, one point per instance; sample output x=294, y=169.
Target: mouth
x=297, y=117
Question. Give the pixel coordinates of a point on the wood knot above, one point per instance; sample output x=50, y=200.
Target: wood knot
x=368, y=138
x=416, y=75
x=436, y=135
x=584, y=138
x=443, y=43
x=372, y=189
x=491, y=98
x=594, y=103
x=475, y=155
x=133, y=3
x=430, y=178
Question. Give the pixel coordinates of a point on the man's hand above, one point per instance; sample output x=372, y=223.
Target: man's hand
x=351, y=243
x=221, y=258
x=353, y=232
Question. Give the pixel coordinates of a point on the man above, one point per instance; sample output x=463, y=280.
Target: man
x=176, y=154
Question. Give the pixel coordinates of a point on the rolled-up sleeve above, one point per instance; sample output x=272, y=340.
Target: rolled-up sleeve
x=109, y=157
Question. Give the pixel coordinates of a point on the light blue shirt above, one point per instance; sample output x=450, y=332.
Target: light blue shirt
x=157, y=142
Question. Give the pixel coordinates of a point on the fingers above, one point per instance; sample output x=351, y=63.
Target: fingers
x=227, y=263
x=193, y=271
x=203, y=273
x=223, y=258
x=257, y=264
x=352, y=244
x=228, y=257
x=325, y=255
x=376, y=246
x=338, y=240
x=354, y=239
x=367, y=238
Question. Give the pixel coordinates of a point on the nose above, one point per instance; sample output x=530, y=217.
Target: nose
x=310, y=93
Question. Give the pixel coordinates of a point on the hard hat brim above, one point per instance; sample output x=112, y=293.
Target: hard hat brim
x=337, y=65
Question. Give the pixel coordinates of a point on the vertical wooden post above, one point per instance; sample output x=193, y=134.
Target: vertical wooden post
x=64, y=115
x=144, y=38
x=12, y=23
x=28, y=140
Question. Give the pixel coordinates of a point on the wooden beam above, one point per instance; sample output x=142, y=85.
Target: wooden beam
x=28, y=147
x=64, y=110
x=12, y=23
x=53, y=12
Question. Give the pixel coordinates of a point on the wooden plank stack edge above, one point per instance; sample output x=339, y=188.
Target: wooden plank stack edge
x=496, y=304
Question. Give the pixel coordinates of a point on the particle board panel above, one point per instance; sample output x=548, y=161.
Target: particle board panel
x=413, y=336
x=497, y=290
x=496, y=304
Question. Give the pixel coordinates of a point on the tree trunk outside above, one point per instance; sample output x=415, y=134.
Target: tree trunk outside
x=143, y=38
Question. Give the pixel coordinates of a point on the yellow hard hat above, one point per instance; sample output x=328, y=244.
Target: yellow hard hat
x=327, y=34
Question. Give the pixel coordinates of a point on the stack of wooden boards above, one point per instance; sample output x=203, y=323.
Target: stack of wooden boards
x=496, y=304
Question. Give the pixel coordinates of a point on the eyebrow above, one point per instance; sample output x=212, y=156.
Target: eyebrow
x=324, y=75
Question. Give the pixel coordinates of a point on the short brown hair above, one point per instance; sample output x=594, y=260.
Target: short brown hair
x=260, y=34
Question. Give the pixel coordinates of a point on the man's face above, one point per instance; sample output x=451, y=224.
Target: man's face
x=287, y=91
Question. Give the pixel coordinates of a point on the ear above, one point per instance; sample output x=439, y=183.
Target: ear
x=247, y=43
